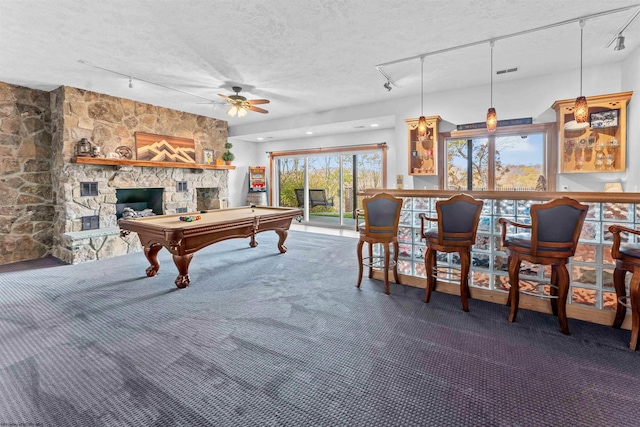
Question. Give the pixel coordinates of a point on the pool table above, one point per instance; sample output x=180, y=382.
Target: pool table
x=183, y=238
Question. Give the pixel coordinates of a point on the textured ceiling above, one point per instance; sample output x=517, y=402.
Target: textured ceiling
x=305, y=56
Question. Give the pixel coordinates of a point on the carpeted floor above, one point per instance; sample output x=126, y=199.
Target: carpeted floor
x=268, y=339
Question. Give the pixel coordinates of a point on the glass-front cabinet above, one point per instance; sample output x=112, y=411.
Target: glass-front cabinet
x=599, y=144
x=423, y=155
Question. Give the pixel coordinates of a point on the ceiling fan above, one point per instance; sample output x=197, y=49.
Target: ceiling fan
x=238, y=104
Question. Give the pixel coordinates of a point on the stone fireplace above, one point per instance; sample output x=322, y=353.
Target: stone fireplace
x=84, y=190
x=156, y=188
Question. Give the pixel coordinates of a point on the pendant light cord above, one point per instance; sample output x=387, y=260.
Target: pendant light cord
x=491, y=43
x=581, y=43
x=422, y=86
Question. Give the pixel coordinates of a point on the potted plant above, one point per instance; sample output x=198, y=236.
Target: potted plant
x=228, y=156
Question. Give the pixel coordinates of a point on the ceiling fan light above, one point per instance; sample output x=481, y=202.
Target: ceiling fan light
x=492, y=119
x=242, y=112
x=581, y=110
x=232, y=111
x=422, y=128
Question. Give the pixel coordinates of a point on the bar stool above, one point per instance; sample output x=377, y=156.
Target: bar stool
x=457, y=220
x=555, y=229
x=381, y=218
x=627, y=258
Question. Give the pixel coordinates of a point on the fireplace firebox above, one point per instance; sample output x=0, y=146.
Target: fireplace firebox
x=139, y=199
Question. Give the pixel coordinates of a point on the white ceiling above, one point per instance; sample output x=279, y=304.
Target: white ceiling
x=305, y=56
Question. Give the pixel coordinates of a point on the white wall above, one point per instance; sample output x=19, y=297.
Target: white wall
x=247, y=154
x=631, y=81
x=520, y=98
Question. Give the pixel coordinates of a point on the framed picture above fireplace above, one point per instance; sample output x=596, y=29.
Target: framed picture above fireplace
x=162, y=148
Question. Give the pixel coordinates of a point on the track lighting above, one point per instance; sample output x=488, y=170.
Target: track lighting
x=619, y=42
x=130, y=83
x=387, y=85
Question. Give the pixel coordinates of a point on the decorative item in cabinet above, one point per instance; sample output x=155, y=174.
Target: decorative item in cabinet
x=423, y=155
x=599, y=145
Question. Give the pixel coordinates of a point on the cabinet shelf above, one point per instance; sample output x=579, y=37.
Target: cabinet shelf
x=599, y=145
x=126, y=162
x=423, y=156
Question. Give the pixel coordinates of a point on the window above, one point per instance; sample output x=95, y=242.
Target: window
x=512, y=159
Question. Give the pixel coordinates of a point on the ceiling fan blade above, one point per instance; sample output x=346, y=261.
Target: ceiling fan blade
x=259, y=101
x=224, y=96
x=257, y=109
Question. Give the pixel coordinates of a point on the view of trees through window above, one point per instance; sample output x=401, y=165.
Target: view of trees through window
x=516, y=162
x=324, y=173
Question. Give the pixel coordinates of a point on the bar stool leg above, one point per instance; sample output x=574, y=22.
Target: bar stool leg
x=563, y=291
x=429, y=261
x=553, y=290
x=371, y=264
x=618, y=282
x=360, y=266
x=634, y=294
x=396, y=249
x=387, y=258
x=465, y=262
x=514, y=291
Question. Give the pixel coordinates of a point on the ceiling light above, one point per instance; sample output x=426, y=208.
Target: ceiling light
x=619, y=42
x=309, y=133
x=422, y=121
x=242, y=112
x=232, y=111
x=581, y=108
x=492, y=117
x=374, y=125
x=387, y=85
x=130, y=83
x=260, y=138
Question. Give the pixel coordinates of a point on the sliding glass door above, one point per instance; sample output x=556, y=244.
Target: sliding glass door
x=326, y=184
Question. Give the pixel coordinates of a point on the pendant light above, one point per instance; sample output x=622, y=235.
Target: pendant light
x=492, y=117
x=581, y=109
x=422, y=121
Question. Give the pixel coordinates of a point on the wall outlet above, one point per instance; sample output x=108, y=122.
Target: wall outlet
x=564, y=188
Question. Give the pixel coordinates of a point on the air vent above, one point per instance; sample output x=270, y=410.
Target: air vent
x=90, y=222
x=508, y=70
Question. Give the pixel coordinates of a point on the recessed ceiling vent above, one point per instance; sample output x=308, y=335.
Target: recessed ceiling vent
x=508, y=70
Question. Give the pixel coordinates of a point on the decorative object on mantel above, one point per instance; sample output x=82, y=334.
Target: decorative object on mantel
x=95, y=151
x=228, y=156
x=160, y=148
x=83, y=148
x=124, y=152
x=207, y=157
x=190, y=218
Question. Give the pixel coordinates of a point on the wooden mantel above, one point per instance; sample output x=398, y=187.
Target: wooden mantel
x=125, y=162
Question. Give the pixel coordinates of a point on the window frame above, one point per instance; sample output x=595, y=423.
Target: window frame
x=548, y=131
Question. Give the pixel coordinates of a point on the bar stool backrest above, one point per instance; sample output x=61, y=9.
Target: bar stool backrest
x=458, y=218
x=556, y=226
x=381, y=215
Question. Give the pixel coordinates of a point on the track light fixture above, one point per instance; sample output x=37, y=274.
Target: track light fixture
x=130, y=83
x=387, y=85
x=619, y=42
x=581, y=108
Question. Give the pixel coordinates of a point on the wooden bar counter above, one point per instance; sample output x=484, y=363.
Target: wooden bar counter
x=592, y=295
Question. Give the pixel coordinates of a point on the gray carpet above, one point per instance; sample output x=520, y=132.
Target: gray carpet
x=268, y=339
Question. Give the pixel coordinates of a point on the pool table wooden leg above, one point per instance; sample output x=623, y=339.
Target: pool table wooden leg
x=151, y=252
x=182, y=263
x=283, y=236
x=253, y=242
